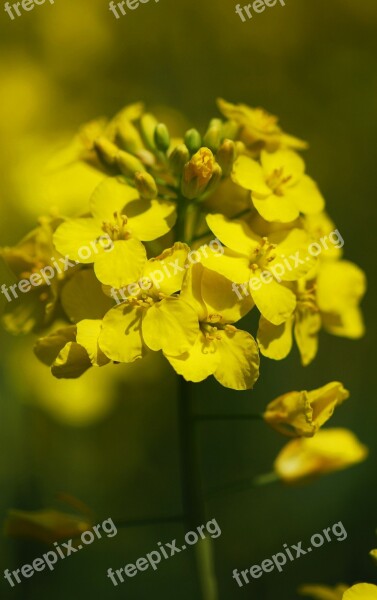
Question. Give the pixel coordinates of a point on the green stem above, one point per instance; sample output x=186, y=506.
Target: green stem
x=254, y=417
x=244, y=485
x=192, y=496
x=151, y=521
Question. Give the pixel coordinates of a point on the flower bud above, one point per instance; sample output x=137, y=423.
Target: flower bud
x=148, y=124
x=217, y=174
x=146, y=185
x=197, y=173
x=106, y=150
x=161, y=137
x=178, y=158
x=212, y=138
x=128, y=136
x=226, y=155
x=193, y=140
x=128, y=164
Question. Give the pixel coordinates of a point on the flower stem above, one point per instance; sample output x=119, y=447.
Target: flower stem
x=192, y=496
x=225, y=417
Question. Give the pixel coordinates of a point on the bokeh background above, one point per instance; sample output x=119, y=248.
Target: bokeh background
x=111, y=438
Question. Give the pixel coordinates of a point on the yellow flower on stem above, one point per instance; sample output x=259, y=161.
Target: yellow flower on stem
x=261, y=265
x=321, y=592
x=258, y=128
x=303, y=413
x=221, y=350
x=112, y=237
x=361, y=591
x=330, y=450
x=152, y=315
x=280, y=190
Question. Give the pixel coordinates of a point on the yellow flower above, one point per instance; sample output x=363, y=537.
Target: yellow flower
x=280, y=190
x=303, y=413
x=321, y=592
x=340, y=287
x=330, y=450
x=258, y=128
x=152, y=315
x=199, y=172
x=373, y=554
x=261, y=264
x=111, y=237
x=231, y=355
x=361, y=591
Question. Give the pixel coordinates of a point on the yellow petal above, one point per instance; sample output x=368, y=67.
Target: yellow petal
x=111, y=196
x=120, y=338
x=275, y=302
x=277, y=208
x=47, y=348
x=72, y=362
x=150, y=219
x=166, y=271
x=292, y=253
x=219, y=297
x=292, y=164
x=236, y=234
x=123, y=265
x=306, y=196
x=231, y=265
x=239, y=360
x=275, y=341
x=170, y=325
x=307, y=326
x=74, y=238
x=199, y=362
x=249, y=174
x=88, y=331
x=361, y=591
x=82, y=297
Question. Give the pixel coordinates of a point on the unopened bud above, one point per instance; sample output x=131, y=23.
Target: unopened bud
x=226, y=155
x=128, y=164
x=148, y=125
x=178, y=158
x=212, y=137
x=230, y=130
x=106, y=150
x=197, y=173
x=161, y=137
x=193, y=140
x=128, y=136
x=146, y=185
x=217, y=174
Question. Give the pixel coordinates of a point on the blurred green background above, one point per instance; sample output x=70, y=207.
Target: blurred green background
x=111, y=438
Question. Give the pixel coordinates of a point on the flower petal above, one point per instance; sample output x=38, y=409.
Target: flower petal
x=236, y=234
x=150, y=219
x=239, y=360
x=170, y=325
x=111, y=196
x=88, y=331
x=275, y=341
x=307, y=326
x=277, y=208
x=292, y=164
x=249, y=174
x=275, y=302
x=74, y=238
x=120, y=338
x=199, y=362
x=123, y=265
x=306, y=196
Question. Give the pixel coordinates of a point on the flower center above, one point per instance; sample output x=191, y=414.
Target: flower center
x=276, y=181
x=262, y=255
x=117, y=229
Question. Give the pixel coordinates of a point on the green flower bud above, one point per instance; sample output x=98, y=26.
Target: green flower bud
x=146, y=185
x=212, y=138
x=148, y=125
x=193, y=140
x=230, y=130
x=217, y=174
x=178, y=158
x=226, y=155
x=162, y=137
x=106, y=150
x=128, y=164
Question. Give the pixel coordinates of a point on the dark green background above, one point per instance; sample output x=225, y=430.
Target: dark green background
x=314, y=64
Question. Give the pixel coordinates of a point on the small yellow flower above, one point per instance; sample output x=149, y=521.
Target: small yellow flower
x=303, y=413
x=258, y=263
x=280, y=190
x=321, y=592
x=112, y=237
x=373, y=554
x=258, y=128
x=221, y=350
x=152, y=316
x=330, y=450
x=361, y=591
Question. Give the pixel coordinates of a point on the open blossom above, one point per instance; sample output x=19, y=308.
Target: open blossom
x=280, y=190
x=303, y=413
